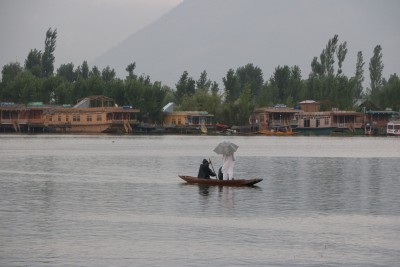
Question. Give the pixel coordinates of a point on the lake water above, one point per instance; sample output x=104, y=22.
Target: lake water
x=73, y=200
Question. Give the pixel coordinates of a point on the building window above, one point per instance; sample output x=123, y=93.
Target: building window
x=306, y=123
x=67, y=117
x=89, y=118
x=179, y=121
x=99, y=117
x=174, y=121
x=76, y=117
x=59, y=117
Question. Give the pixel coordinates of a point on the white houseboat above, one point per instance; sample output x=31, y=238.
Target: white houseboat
x=393, y=128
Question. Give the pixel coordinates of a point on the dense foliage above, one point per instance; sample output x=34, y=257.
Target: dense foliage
x=243, y=88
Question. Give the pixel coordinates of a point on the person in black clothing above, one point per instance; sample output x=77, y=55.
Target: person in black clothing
x=205, y=171
x=220, y=174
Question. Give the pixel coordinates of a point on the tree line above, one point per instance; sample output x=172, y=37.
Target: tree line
x=242, y=89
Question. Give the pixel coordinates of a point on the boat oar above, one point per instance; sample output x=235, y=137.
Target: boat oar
x=211, y=165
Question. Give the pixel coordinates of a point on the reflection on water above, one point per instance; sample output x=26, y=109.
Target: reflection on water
x=203, y=190
x=117, y=201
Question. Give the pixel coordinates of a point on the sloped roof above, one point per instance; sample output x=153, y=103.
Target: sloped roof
x=382, y=112
x=168, y=107
x=309, y=102
x=276, y=110
x=95, y=101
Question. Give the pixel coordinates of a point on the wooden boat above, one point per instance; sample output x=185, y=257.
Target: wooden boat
x=236, y=182
x=284, y=130
x=276, y=133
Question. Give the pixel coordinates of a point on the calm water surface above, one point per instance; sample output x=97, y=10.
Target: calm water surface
x=117, y=201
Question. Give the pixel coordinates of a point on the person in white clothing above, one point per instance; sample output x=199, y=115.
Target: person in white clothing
x=228, y=162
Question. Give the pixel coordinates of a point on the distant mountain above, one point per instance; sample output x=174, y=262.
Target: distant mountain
x=216, y=35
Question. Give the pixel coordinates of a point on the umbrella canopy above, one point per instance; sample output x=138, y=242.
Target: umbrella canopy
x=225, y=148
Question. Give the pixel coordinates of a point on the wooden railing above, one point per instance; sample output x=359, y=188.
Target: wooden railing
x=348, y=125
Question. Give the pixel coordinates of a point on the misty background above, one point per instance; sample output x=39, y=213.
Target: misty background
x=167, y=37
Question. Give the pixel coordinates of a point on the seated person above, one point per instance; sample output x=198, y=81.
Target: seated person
x=220, y=174
x=205, y=171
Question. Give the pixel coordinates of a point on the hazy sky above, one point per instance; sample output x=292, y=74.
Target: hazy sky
x=89, y=28
x=86, y=28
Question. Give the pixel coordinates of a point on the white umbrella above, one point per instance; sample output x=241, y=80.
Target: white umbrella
x=225, y=148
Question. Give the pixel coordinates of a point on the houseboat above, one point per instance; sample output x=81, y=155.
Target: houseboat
x=393, y=128
x=277, y=120
x=94, y=114
x=315, y=122
x=21, y=118
x=187, y=122
x=328, y=122
x=310, y=120
x=376, y=121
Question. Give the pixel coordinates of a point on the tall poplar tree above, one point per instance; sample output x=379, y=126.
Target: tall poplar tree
x=328, y=54
x=203, y=83
x=185, y=87
x=83, y=70
x=375, y=71
x=359, y=75
x=33, y=62
x=341, y=55
x=130, y=69
x=48, y=54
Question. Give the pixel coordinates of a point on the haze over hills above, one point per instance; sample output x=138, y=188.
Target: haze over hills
x=216, y=35
x=85, y=28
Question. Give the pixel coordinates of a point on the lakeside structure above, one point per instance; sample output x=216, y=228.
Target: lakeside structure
x=393, y=128
x=377, y=121
x=186, y=121
x=306, y=119
x=100, y=114
x=277, y=120
x=312, y=120
x=94, y=114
